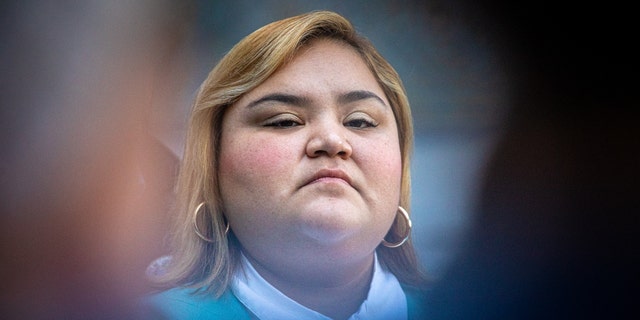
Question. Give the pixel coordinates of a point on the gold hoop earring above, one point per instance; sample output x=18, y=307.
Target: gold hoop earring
x=195, y=225
x=405, y=215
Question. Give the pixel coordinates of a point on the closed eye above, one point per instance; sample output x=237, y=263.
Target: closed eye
x=283, y=121
x=361, y=123
x=282, y=124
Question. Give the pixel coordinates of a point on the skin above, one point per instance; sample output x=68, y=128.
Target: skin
x=310, y=175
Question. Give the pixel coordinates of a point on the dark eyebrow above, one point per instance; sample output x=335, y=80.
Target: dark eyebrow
x=290, y=99
x=357, y=95
x=282, y=98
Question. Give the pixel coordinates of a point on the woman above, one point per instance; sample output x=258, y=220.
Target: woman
x=294, y=182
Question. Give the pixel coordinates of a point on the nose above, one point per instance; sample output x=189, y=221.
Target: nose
x=328, y=140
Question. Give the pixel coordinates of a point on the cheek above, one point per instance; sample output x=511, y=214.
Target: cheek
x=252, y=160
x=386, y=159
x=381, y=163
x=390, y=166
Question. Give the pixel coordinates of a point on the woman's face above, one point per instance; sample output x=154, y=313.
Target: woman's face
x=310, y=159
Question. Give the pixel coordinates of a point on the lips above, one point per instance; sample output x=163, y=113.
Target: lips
x=327, y=174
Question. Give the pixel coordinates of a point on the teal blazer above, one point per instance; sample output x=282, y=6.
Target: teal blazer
x=181, y=304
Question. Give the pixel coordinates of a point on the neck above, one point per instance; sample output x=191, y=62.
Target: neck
x=336, y=293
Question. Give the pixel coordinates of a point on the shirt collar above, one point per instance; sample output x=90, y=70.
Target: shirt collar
x=385, y=299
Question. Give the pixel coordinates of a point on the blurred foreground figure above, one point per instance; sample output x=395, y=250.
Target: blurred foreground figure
x=556, y=235
x=83, y=181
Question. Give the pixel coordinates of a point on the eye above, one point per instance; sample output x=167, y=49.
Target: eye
x=283, y=121
x=282, y=124
x=360, y=121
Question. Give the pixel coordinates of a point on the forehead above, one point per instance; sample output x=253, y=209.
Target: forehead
x=324, y=45
x=324, y=64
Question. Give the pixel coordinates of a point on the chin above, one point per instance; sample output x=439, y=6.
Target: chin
x=331, y=227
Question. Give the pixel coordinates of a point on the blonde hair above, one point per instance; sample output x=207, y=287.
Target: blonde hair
x=209, y=266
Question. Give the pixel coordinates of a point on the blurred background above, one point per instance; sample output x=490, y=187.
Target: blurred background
x=95, y=97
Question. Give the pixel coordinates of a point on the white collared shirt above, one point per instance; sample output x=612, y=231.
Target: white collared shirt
x=385, y=300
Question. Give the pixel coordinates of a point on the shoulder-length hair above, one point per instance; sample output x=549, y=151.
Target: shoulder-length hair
x=209, y=266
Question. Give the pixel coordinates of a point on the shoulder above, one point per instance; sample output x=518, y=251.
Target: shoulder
x=416, y=299
x=184, y=303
